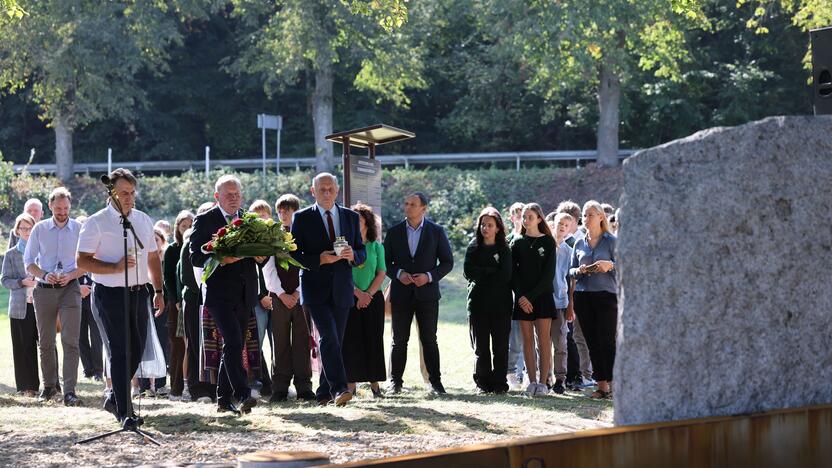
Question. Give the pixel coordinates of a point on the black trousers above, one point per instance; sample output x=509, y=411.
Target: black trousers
x=89, y=344
x=573, y=360
x=489, y=331
x=598, y=313
x=109, y=303
x=427, y=316
x=363, y=347
x=196, y=388
x=25, y=351
x=232, y=322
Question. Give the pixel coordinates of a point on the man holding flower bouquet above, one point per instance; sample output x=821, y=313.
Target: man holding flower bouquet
x=329, y=244
x=230, y=292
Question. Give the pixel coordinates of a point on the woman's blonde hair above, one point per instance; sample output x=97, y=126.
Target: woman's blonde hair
x=20, y=218
x=594, y=205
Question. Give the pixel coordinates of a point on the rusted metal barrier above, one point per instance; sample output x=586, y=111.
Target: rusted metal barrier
x=799, y=437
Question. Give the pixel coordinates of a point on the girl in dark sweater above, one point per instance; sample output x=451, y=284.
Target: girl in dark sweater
x=533, y=256
x=487, y=268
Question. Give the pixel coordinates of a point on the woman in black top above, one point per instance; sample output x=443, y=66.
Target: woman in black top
x=487, y=268
x=175, y=325
x=533, y=256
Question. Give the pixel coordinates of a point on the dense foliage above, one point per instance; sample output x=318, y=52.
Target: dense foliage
x=456, y=195
x=465, y=75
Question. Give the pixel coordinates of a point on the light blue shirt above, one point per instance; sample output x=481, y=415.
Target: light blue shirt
x=560, y=283
x=336, y=221
x=48, y=244
x=413, y=237
x=583, y=254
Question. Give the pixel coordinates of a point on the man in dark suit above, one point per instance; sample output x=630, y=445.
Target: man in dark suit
x=230, y=296
x=418, y=255
x=326, y=282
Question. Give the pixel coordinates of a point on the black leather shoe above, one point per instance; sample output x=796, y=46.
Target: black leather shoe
x=47, y=394
x=377, y=392
x=279, y=397
x=394, y=388
x=558, y=387
x=71, y=399
x=110, y=406
x=307, y=395
x=437, y=388
x=226, y=407
x=246, y=405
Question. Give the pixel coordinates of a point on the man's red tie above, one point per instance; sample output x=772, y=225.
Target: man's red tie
x=330, y=227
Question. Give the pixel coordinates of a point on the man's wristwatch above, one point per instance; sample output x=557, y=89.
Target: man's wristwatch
x=158, y=291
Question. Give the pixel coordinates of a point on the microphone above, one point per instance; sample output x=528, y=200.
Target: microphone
x=105, y=179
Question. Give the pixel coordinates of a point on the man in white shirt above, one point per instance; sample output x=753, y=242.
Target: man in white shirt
x=101, y=252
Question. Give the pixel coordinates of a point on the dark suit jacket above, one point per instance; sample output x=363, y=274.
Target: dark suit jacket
x=320, y=284
x=230, y=284
x=433, y=255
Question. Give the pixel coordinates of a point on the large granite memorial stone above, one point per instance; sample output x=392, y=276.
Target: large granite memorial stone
x=725, y=268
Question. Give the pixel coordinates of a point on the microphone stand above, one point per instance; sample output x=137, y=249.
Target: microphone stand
x=131, y=422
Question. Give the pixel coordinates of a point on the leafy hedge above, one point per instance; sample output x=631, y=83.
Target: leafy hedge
x=457, y=195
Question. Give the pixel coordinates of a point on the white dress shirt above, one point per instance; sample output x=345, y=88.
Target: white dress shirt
x=102, y=236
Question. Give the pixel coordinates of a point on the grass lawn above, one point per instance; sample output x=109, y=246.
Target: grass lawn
x=37, y=434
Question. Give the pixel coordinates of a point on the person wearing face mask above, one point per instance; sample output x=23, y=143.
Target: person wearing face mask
x=487, y=268
x=21, y=310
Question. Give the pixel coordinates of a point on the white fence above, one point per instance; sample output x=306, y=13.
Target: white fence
x=406, y=160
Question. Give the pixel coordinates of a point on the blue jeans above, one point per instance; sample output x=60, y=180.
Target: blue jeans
x=516, y=364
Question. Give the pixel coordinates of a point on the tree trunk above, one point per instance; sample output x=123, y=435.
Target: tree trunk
x=63, y=149
x=609, y=99
x=322, y=118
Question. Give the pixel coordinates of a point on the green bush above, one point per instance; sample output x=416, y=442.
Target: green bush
x=456, y=195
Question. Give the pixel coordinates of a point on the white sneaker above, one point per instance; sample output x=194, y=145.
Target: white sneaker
x=514, y=383
x=162, y=392
x=173, y=397
x=204, y=399
x=186, y=395
x=542, y=390
x=255, y=393
x=531, y=390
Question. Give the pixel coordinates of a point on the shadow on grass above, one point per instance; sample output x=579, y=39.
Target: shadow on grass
x=17, y=448
x=370, y=423
x=189, y=422
x=574, y=403
x=419, y=414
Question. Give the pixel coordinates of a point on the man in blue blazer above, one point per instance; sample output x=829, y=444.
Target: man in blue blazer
x=418, y=255
x=230, y=296
x=326, y=282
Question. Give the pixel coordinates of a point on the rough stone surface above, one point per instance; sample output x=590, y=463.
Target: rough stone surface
x=725, y=264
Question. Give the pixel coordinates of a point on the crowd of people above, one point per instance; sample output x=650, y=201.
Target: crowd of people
x=541, y=304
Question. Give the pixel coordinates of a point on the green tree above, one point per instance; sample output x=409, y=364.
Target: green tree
x=310, y=41
x=572, y=43
x=80, y=59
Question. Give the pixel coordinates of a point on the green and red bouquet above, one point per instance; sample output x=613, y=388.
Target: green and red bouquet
x=250, y=236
